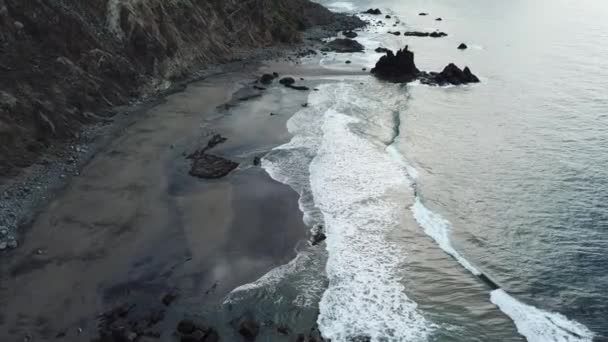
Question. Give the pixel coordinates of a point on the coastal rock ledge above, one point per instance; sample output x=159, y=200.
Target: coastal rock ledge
x=400, y=68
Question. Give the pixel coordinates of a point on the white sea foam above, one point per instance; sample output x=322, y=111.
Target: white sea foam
x=300, y=273
x=535, y=324
x=538, y=325
x=351, y=178
x=438, y=229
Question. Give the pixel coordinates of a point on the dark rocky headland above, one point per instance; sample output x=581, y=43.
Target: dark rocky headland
x=65, y=64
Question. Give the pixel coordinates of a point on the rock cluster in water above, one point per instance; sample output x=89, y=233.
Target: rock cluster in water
x=400, y=68
x=436, y=34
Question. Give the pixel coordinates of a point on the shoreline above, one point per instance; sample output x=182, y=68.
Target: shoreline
x=26, y=193
x=124, y=232
x=112, y=225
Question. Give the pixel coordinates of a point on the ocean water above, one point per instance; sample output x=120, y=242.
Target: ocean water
x=472, y=213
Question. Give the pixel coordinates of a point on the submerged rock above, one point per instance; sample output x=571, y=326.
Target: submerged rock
x=287, y=81
x=350, y=34
x=436, y=34
x=374, y=11
x=344, y=45
x=210, y=166
x=382, y=50
x=297, y=87
x=249, y=328
x=452, y=74
x=399, y=67
x=267, y=78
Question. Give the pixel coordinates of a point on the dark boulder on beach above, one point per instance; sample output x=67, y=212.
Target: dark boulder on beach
x=267, y=78
x=350, y=34
x=438, y=19
x=462, y=46
x=210, y=166
x=396, y=33
x=287, y=81
x=344, y=45
x=423, y=13
x=295, y=87
x=189, y=331
x=399, y=67
x=382, y=50
x=374, y=11
x=248, y=328
x=387, y=17
x=436, y=34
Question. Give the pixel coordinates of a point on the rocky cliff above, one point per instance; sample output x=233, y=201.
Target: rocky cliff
x=63, y=60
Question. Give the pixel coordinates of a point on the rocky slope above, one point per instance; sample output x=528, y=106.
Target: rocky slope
x=62, y=61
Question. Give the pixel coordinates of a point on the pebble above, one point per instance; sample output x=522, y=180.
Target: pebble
x=3, y=245
x=3, y=232
x=12, y=243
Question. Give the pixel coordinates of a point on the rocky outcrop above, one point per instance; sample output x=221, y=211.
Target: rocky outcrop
x=451, y=74
x=345, y=45
x=209, y=166
x=401, y=68
x=62, y=60
x=435, y=34
x=350, y=34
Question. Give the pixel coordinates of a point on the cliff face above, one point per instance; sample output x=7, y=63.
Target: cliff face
x=61, y=60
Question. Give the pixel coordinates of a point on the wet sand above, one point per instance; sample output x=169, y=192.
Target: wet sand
x=134, y=226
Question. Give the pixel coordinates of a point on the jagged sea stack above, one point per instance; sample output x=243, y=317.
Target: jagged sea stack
x=399, y=67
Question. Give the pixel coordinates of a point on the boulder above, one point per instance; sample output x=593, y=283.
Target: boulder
x=438, y=19
x=186, y=326
x=416, y=34
x=350, y=34
x=374, y=11
x=294, y=87
x=287, y=81
x=249, y=328
x=210, y=166
x=388, y=16
x=396, y=33
x=435, y=34
x=423, y=13
x=267, y=78
x=382, y=50
x=462, y=46
x=399, y=67
x=343, y=45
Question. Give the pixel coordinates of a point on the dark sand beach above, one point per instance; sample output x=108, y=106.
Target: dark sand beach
x=134, y=227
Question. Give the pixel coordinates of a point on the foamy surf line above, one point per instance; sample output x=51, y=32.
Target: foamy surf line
x=534, y=324
x=364, y=299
